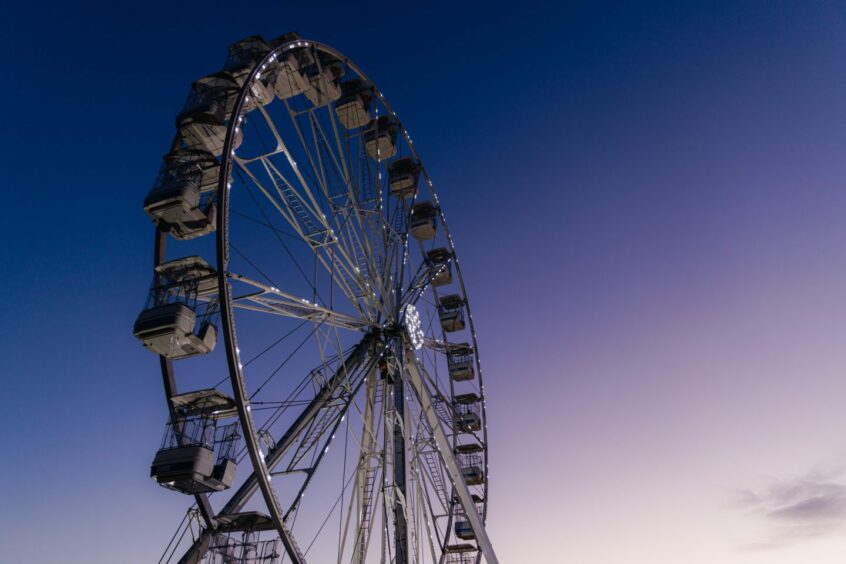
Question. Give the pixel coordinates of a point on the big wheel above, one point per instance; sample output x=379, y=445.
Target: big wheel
x=341, y=418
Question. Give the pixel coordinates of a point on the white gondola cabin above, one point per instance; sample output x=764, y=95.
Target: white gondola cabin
x=460, y=554
x=451, y=313
x=290, y=81
x=467, y=417
x=464, y=530
x=423, y=221
x=353, y=107
x=198, y=450
x=243, y=56
x=262, y=90
x=323, y=77
x=244, y=548
x=471, y=463
x=380, y=138
x=403, y=175
x=170, y=325
x=192, y=270
x=460, y=363
x=175, y=203
x=440, y=269
x=203, y=121
x=246, y=53
x=168, y=330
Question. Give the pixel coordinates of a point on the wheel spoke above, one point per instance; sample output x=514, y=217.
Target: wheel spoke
x=269, y=299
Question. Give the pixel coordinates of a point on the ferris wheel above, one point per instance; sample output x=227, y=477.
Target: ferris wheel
x=314, y=332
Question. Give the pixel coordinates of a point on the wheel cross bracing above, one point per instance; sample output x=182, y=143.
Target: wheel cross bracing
x=344, y=319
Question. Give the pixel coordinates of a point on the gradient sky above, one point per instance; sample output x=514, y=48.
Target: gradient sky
x=648, y=203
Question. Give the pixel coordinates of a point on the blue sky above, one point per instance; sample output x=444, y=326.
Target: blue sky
x=647, y=201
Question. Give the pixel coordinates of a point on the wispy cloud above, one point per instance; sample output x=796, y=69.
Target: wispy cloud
x=796, y=509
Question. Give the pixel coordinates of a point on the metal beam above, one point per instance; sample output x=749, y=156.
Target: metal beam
x=399, y=468
x=465, y=498
x=250, y=485
x=364, y=497
x=274, y=300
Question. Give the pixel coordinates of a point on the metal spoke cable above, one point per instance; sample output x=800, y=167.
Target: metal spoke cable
x=275, y=404
x=268, y=225
x=278, y=238
x=331, y=511
x=178, y=528
x=251, y=263
x=282, y=338
x=287, y=359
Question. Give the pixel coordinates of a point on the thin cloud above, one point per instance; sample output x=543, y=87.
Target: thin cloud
x=796, y=509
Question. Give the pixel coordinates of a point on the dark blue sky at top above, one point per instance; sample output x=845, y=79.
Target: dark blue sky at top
x=584, y=154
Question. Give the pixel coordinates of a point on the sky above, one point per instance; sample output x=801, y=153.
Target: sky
x=647, y=202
